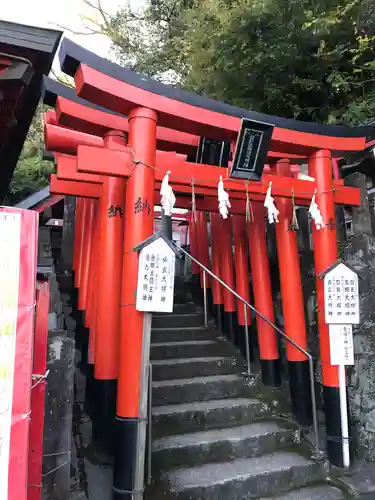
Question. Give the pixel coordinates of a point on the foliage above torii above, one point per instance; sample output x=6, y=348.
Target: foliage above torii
x=311, y=60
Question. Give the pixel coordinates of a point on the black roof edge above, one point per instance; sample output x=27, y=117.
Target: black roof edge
x=72, y=54
x=155, y=237
x=357, y=157
x=52, y=89
x=34, y=199
x=48, y=155
x=32, y=94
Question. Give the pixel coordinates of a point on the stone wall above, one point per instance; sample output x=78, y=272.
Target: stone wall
x=58, y=445
x=359, y=252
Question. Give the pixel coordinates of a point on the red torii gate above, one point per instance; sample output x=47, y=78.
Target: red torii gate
x=99, y=168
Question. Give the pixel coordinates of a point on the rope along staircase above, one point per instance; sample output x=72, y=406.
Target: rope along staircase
x=213, y=436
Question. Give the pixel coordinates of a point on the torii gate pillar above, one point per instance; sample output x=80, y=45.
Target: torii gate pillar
x=134, y=345
x=217, y=289
x=293, y=305
x=111, y=227
x=260, y=271
x=325, y=254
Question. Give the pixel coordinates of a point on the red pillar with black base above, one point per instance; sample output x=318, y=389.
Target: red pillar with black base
x=325, y=254
x=260, y=271
x=241, y=259
x=293, y=305
x=76, y=262
x=111, y=227
x=227, y=275
x=132, y=387
x=90, y=320
x=217, y=289
x=87, y=217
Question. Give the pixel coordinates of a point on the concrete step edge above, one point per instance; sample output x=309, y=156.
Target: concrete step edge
x=184, y=328
x=205, y=405
x=320, y=492
x=198, y=380
x=231, y=434
x=186, y=343
x=216, y=475
x=182, y=361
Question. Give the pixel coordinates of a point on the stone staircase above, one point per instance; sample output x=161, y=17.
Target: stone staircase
x=214, y=438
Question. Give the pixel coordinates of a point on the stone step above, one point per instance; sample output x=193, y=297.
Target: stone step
x=244, y=441
x=187, y=308
x=193, y=417
x=182, y=334
x=188, y=390
x=188, y=349
x=178, y=320
x=323, y=492
x=243, y=478
x=166, y=369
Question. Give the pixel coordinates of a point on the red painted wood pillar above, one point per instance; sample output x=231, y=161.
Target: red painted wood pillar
x=227, y=275
x=217, y=289
x=325, y=254
x=87, y=298
x=86, y=249
x=87, y=219
x=132, y=386
x=193, y=235
x=89, y=316
x=77, y=235
x=204, y=255
x=35, y=461
x=260, y=272
x=77, y=252
x=108, y=291
x=204, y=258
x=90, y=309
x=241, y=259
x=80, y=237
x=91, y=323
x=293, y=305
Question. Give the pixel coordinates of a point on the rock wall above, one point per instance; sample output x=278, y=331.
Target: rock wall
x=359, y=252
x=58, y=445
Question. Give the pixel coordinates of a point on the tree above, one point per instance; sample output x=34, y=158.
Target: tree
x=32, y=172
x=307, y=59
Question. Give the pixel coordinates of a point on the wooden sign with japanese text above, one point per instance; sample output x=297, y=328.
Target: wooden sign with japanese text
x=341, y=296
x=156, y=271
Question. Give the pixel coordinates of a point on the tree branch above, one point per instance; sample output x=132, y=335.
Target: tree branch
x=98, y=7
x=80, y=33
x=64, y=81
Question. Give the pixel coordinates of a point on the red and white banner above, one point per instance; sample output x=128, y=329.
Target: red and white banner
x=18, y=260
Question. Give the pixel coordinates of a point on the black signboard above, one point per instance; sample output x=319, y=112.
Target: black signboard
x=251, y=150
x=212, y=152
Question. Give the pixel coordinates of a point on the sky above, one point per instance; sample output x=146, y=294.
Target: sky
x=58, y=13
